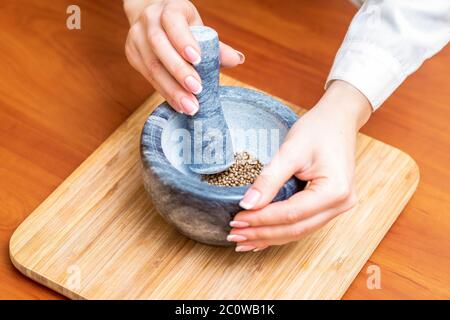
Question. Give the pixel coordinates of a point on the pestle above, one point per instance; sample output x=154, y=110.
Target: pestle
x=211, y=145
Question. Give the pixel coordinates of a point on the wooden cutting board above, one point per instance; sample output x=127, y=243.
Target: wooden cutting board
x=97, y=236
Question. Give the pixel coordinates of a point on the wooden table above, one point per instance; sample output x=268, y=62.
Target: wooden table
x=63, y=92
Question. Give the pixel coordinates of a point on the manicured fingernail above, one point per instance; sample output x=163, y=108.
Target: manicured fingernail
x=250, y=199
x=192, y=55
x=244, y=248
x=189, y=106
x=193, y=84
x=239, y=224
x=259, y=249
x=236, y=238
x=241, y=57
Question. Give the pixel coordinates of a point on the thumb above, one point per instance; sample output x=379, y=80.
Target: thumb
x=230, y=57
x=281, y=168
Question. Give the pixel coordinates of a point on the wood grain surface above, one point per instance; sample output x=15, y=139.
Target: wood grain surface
x=98, y=235
x=64, y=92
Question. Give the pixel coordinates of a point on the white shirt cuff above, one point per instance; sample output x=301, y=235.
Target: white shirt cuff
x=369, y=68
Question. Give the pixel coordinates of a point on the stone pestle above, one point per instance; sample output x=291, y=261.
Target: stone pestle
x=211, y=145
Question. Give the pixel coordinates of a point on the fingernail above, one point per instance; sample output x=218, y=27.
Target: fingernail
x=192, y=55
x=239, y=224
x=189, y=106
x=244, y=248
x=193, y=84
x=241, y=57
x=236, y=238
x=259, y=249
x=250, y=199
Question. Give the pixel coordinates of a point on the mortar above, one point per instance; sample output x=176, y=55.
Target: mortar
x=255, y=122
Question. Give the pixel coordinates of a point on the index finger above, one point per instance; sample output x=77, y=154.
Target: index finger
x=174, y=21
x=301, y=205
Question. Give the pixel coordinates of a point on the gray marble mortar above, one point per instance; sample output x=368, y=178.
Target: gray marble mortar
x=197, y=209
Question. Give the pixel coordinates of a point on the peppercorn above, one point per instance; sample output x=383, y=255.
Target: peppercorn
x=243, y=171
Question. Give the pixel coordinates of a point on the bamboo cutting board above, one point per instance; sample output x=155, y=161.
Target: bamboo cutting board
x=97, y=236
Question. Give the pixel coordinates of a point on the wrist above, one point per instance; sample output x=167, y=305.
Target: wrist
x=134, y=8
x=346, y=103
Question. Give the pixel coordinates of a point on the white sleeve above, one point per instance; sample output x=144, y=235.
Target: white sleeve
x=387, y=41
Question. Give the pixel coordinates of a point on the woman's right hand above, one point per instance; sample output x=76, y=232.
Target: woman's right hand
x=161, y=47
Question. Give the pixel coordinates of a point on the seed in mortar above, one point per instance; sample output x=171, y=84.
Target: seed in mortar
x=243, y=171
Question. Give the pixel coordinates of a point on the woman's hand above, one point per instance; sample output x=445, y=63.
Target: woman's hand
x=319, y=148
x=161, y=47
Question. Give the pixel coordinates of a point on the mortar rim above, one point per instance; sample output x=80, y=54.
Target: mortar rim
x=153, y=156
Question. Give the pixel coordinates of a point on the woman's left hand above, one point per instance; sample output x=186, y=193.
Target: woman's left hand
x=319, y=148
